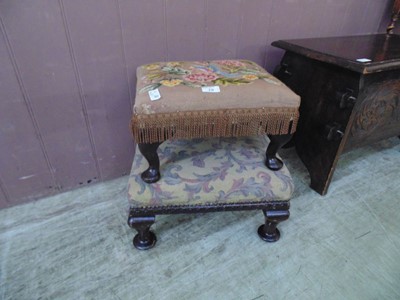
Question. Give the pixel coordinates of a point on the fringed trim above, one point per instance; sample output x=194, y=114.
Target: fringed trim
x=153, y=128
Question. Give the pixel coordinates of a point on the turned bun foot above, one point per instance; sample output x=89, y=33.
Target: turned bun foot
x=268, y=236
x=145, y=243
x=274, y=163
x=268, y=231
x=145, y=238
x=151, y=175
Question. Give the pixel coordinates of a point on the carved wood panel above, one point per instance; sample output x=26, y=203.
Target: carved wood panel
x=378, y=115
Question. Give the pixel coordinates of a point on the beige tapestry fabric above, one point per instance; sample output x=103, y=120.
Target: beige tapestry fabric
x=210, y=99
x=210, y=171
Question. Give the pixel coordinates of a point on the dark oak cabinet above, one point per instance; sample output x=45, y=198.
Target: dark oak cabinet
x=350, y=90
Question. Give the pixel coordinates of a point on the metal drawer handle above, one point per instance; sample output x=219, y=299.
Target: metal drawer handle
x=333, y=132
x=346, y=99
x=285, y=70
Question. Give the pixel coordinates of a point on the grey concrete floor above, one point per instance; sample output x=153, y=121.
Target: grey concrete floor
x=345, y=245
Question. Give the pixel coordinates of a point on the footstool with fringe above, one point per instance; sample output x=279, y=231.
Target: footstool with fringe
x=203, y=99
x=201, y=131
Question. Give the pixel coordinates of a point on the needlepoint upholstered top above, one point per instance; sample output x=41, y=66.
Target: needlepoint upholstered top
x=247, y=101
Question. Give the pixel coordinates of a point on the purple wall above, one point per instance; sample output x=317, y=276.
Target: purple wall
x=67, y=75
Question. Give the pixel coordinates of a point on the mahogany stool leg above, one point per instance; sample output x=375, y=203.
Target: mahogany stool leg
x=277, y=141
x=144, y=239
x=268, y=231
x=149, y=151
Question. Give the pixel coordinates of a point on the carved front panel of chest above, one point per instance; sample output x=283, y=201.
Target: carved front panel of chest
x=377, y=115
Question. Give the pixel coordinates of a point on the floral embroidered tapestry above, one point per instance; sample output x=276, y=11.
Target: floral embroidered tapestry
x=206, y=73
x=248, y=101
x=213, y=171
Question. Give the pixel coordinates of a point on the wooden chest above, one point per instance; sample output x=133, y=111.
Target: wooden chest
x=350, y=96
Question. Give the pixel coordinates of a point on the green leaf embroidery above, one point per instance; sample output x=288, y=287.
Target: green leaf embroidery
x=175, y=70
x=231, y=69
x=230, y=81
x=189, y=84
x=154, y=76
x=251, y=72
x=149, y=87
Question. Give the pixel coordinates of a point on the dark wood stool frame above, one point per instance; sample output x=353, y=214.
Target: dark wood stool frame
x=152, y=174
x=141, y=218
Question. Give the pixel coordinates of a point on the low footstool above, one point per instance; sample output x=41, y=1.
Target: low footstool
x=207, y=175
x=203, y=99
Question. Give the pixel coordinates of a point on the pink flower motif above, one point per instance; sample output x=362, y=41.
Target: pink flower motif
x=230, y=63
x=201, y=77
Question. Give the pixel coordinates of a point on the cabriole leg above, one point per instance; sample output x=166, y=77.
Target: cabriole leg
x=276, y=142
x=149, y=151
